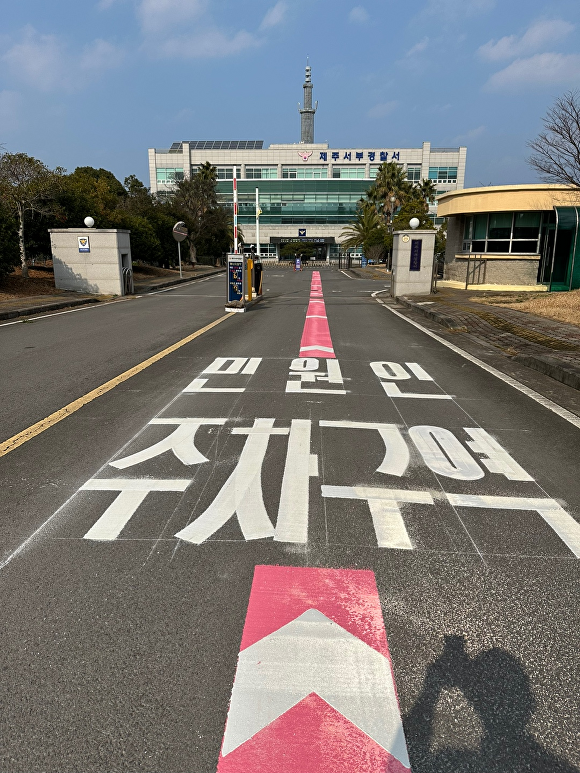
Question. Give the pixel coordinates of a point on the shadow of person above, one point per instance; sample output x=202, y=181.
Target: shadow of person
x=497, y=687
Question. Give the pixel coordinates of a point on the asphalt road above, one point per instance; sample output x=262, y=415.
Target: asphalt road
x=120, y=639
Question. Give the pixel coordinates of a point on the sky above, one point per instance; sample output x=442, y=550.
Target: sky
x=98, y=82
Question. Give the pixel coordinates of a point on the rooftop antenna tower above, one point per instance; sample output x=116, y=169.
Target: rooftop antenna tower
x=307, y=112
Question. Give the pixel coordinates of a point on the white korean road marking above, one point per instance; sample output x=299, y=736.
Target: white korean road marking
x=241, y=495
x=396, y=458
x=387, y=372
x=554, y=514
x=132, y=493
x=383, y=503
x=301, y=465
x=181, y=442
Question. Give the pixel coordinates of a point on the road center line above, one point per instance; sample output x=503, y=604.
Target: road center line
x=531, y=393
x=54, y=418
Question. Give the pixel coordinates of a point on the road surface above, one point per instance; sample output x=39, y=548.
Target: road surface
x=312, y=538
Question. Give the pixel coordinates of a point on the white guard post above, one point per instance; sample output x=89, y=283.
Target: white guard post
x=413, y=253
x=92, y=260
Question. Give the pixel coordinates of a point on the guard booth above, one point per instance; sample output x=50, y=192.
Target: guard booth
x=92, y=260
x=413, y=253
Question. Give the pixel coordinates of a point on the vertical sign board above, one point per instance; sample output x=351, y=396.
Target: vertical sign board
x=84, y=244
x=235, y=278
x=416, y=247
x=363, y=261
x=314, y=689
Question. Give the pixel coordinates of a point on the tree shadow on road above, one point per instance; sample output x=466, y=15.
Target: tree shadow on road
x=497, y=687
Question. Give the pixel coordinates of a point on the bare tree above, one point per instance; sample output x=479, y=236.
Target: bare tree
x=27, y=185
x=556, y=150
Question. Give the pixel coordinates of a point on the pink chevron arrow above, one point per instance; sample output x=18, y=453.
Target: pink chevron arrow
x=314, y=690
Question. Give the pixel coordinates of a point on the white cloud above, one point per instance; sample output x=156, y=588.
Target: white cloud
x=37, y=60
x=158, y=15
x=358, y=15
x=418, y=47
x=44, y=63
x=454, y=9
x=538, y=70
x=10, y=106
x=382, y=109
x=100, y=55
x=537, y=36
x=209, y=43
x=274, y=16
x=472, y=134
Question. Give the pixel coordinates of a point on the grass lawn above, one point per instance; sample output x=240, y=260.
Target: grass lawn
x=565, y=307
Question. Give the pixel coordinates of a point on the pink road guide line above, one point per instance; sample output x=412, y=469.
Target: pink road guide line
x=316, y=340
x=314, y=690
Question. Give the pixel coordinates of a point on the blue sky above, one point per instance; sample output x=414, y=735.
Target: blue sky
x=98, y=82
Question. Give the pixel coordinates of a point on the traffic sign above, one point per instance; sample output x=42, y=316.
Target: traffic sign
x=180, y=231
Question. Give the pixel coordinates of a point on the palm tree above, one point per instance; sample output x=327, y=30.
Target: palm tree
x=207, y=172
x=390, y=189
x=426, y=189
x=367, y=231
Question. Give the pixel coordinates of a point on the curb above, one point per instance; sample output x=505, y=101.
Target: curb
x=46, y=307
x=171, y=282
x=436, y=316
x=566, y=373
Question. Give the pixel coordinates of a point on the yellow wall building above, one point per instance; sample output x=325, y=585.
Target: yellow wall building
x=513, y=234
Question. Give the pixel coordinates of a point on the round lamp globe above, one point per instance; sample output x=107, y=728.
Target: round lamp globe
x=89, y=222
x=414, y=222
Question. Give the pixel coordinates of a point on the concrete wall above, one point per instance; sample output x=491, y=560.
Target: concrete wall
x=454, y=242
x=500, y=271
x=99, y=271
x=404, y=281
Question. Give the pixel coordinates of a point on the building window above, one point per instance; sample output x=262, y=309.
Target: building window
x=305, y=173
x=227, y=172
x=349, y=172
x=502, y=232
x=169, y=176
x=414, y=174
x=268, y=250
x=443, y=174
x=261, y=173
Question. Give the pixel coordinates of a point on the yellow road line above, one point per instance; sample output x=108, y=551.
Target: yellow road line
x=54, y=418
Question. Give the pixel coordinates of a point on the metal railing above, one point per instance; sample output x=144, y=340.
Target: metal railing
x=128, y=286
x=475, y=268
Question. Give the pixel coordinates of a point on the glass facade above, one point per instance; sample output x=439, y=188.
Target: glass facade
x=414, y=173
x=443, y=174
x=227, y=172
x=349, y=172
x=305, y=173
x=261, y=172
x=296, y=201
x=169, y=176
x=503, y=232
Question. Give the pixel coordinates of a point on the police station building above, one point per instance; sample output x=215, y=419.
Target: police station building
x=307, y=191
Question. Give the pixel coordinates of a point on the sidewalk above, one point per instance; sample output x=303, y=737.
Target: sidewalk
x=12, y=308
x=544, y=344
